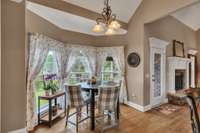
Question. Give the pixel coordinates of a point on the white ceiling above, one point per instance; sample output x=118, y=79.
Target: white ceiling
x=66, y=21
x=123, y=8
x=190, y=16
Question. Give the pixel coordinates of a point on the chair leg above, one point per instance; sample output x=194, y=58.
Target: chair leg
x=87, y=108
x=67, y=116
x=77, y=115
x=109, y=116
x=116, y=119
x=102, y=122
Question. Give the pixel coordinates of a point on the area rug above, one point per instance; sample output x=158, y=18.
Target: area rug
x=167, y=109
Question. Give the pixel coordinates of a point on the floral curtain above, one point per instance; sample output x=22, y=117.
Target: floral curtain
x=88, y=51
x=119, y=59
x=102, y=53
x=118, y=56
x=72, y=60
x=90, y=54
x=38, y=51
x=62, y=59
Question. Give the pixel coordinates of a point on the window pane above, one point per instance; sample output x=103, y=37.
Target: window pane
x=110, y=71
x=80, y=70
x=50, y=66
x=107, y=66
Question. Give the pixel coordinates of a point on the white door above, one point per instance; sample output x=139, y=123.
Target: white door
x=157, y=73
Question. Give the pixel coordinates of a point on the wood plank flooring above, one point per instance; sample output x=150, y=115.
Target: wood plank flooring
x=133, y=121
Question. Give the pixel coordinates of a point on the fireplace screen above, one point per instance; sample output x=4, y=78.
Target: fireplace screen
x=179, y=79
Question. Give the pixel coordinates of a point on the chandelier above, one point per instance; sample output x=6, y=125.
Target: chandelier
x=107, y=23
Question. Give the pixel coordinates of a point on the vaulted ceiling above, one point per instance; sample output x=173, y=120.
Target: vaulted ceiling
x=80, y=15
x=123, y=8
x=190, y=16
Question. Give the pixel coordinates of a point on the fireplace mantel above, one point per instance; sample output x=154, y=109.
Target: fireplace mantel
x=177, y=63
x=178, y=59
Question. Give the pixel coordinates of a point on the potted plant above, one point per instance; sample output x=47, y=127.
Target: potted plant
x=47, y=89
x=54, y=87
x=50, y=84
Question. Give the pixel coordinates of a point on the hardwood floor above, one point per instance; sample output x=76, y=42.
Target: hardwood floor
x=132, y=121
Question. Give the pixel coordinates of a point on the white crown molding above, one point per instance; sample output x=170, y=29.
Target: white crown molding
x=157, y=43
x=17, y=1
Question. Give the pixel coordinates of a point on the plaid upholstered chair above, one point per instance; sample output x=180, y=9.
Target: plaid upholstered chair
x=75, y=100
x=107, y=106
x=194, y=116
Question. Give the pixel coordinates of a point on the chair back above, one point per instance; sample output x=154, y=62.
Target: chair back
x=193, y=114
x=74, y=96
x=108, y=98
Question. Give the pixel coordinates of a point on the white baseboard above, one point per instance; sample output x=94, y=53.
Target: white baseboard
x=143, y=108
x=19, y=131
x=139, y=107
x=147, y=108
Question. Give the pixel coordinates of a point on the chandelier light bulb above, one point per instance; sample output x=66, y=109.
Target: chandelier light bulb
x=98, y=28
x=114, y=25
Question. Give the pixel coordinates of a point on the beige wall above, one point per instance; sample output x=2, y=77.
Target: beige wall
x=198, y=55
x=13, y=68
x=148, y=11
x=107, y=41
x=0, y=66
x=167, y=29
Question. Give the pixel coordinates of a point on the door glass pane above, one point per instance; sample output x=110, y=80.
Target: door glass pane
x=157, y=75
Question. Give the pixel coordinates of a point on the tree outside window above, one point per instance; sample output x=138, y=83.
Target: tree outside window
x=110, y=72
